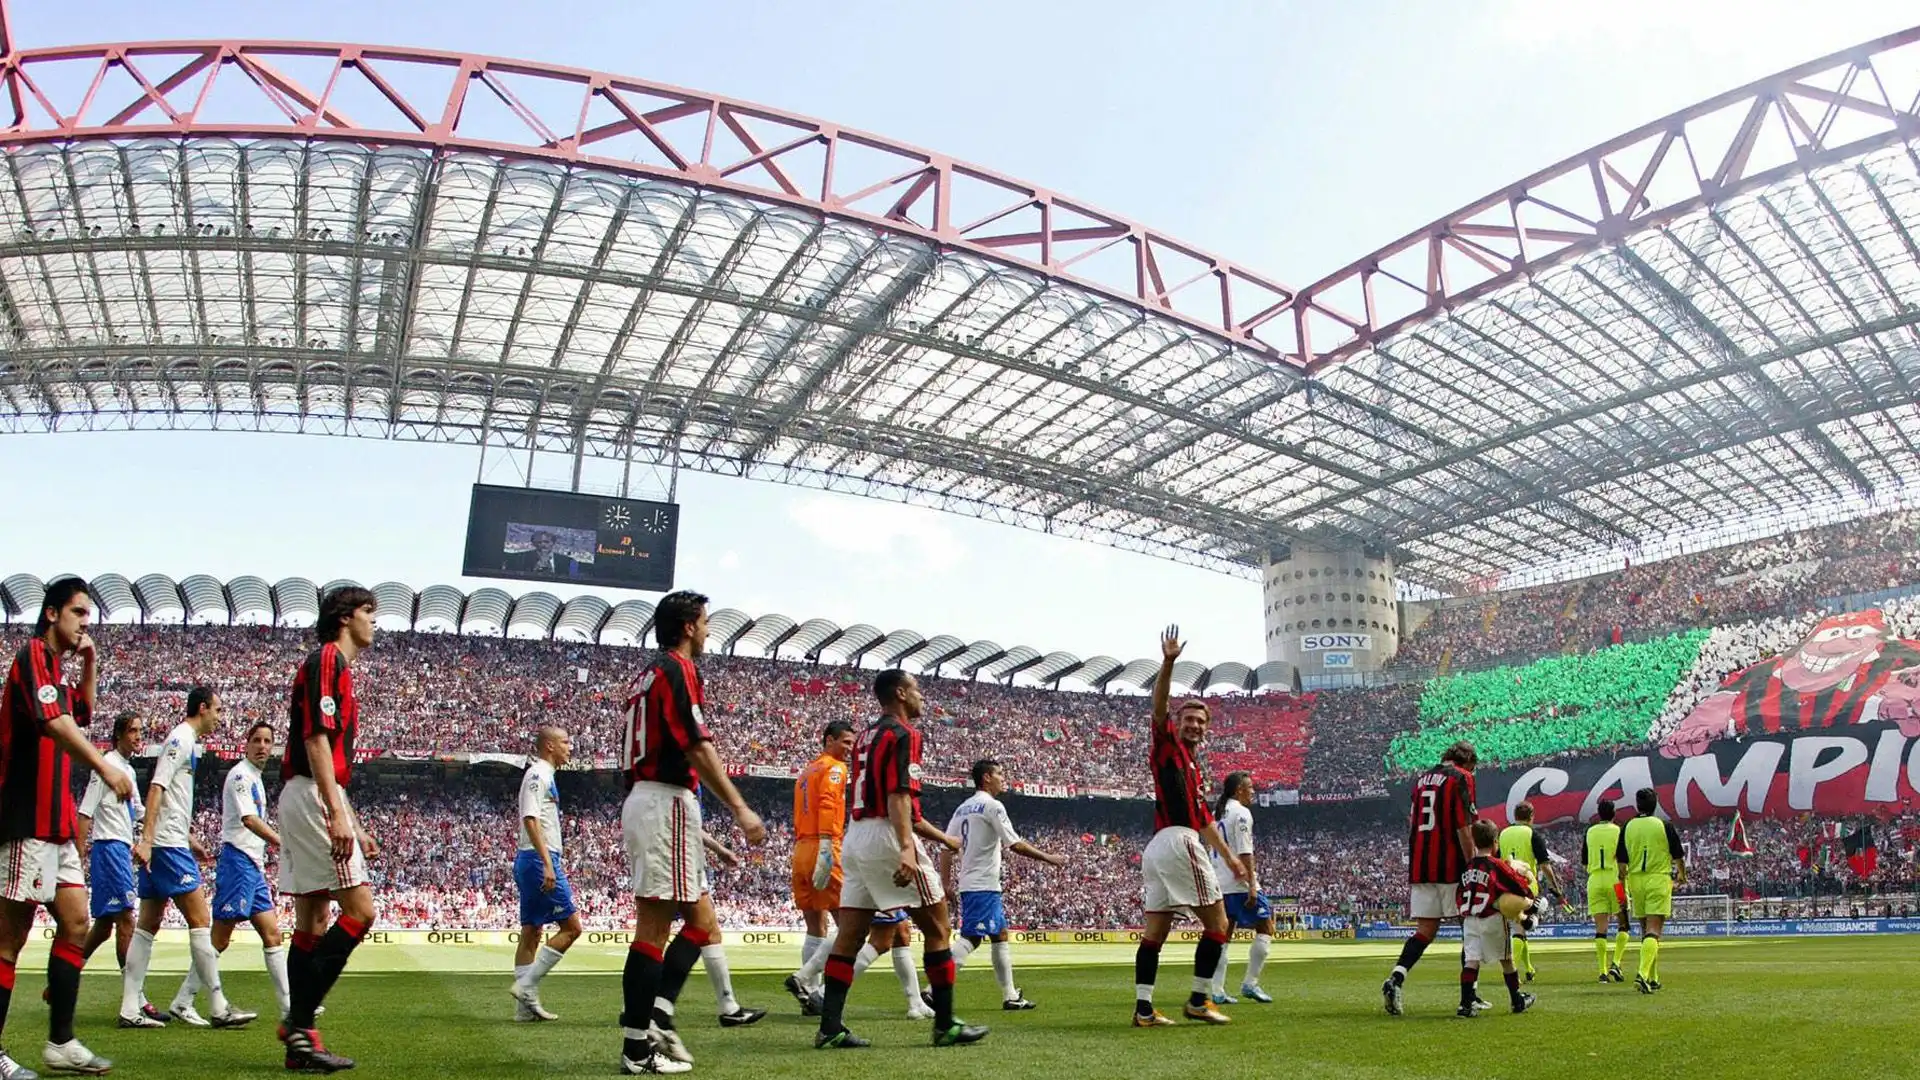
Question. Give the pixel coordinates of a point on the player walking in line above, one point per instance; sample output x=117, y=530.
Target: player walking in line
x=324, y=850
x=1178, y=874
x=819, y=822
x=240, y=892
x=1246, y=906
x=545, y=895
x=984, y=829
x=42, y=731
x=887, y=868
x=1652, y=861
x=1520, y=843
x=666, y=745
x=169, y=857
x=1438, y=848
x=1491, y=890
x=1599, y=849
x=106, y=845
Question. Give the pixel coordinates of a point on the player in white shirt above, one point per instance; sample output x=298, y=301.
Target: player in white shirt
x=1246, y=907
x=240, y=890
x=106, y=843
x=545, y=896
x=168, y=857
x=984, y=830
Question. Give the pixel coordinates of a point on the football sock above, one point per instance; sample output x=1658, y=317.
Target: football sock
x=134, y=978
x=63, y=990
x=1513, y=986
x=1469, y=991
x=276, y=958
x=7, y=974
x=814, y=967
x=1520, y=954
x=520, y=974
x=1620, y=940
x=206, y=969
x=1220, y=974
x=1600, y=952
x=639, y=981
x=329, y=960
x=543, y=961
x=839, y=975
x=1409, y=956
x=300, y=980
x=1146, y=970
x=940, y=974
x=962, y=948
x=189, y=989
x=904, y=971
x=1003, y=969
x=677, y=963
x=868, y=954
x=1257, y=958
x=1649, y=955
x=720, y=977
x=1206, y=956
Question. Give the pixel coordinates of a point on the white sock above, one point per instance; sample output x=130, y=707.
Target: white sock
x=133, y=978
x=1003, y=969
x=276, y=958
x=206, y=964
x=189, y=987
x=813, y=971
x=810, y=945
x=543, y=962
x=714, y=959
x=1220, y=974
x=520, y=974
x=1202, y=984
x=962, y=948
x=1257, y=958
x=908, y=975
x=1143, y=992
x=868, y=954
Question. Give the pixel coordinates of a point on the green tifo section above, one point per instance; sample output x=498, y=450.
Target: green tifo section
x=1561, y=703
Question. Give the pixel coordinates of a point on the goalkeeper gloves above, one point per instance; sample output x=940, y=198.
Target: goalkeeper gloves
x=823, y=867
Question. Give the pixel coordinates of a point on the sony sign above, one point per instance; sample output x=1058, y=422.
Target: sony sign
x=1343, y=642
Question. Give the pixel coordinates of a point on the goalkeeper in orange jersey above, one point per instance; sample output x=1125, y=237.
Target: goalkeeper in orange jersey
x=1494, y=896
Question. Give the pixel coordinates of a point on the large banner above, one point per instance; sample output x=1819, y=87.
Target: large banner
x=1717, y=928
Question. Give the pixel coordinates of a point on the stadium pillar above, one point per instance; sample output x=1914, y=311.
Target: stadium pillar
x=1330, y=612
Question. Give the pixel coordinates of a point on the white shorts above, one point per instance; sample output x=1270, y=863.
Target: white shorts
x=1178, y=872
x=1485, y=940
x=30, y=870
x=1434, y=902
x=660, y=826
x=307, y=863
x=869, y=855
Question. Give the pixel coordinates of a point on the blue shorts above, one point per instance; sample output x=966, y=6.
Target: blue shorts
x=1247, y=909
x=110, y=876
x=890, y=918
x=538, y=908
x=982, y=915
x=173, y=871
x=239, y=887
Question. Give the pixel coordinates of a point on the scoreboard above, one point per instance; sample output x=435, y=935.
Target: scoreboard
x=530, y=535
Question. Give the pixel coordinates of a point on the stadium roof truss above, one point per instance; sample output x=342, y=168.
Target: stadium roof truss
x=1708, y=318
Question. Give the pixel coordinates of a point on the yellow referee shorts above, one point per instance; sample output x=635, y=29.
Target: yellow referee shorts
x=1600, y=897
x=1650, y=894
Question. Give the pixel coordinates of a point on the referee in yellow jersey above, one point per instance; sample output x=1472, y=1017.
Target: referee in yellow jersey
x=1519, y=843
x=1652, y=861
x=1599, y=853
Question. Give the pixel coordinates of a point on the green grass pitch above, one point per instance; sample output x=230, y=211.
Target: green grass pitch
x=1739, y=1009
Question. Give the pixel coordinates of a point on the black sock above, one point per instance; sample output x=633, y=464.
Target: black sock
x=1513, y=987
x=6, y=991
x=1146, y=971
x=682, y=953
x=638, y=983
x=839, y=976
x=1206, y=959
x=63, y=990
x=1410, y=955
x=330, y=956
x=300, y=981
x=1468, y=989
x=940, y=975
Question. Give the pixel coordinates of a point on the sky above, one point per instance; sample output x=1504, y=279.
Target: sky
x=1291, y=137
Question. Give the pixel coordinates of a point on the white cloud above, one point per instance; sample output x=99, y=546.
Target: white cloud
x=730, y=560
x=899, y=539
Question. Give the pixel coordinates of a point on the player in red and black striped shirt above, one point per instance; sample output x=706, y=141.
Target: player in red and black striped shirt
x=1440, y=843
x=1179, y=875
x=42, y=724
x=1486, y=884
x=666, y=755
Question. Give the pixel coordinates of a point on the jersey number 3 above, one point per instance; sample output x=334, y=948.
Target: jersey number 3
x=1428, y=796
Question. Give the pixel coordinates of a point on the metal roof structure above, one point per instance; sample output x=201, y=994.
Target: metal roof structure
x=541, y=616
x=1711, y=316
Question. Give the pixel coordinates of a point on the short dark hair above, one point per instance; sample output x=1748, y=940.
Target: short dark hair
x=1605, y=810
x=677, y=612
x=551, y=539
x=198, y=698
x=1227, y=787
x=980, y=770
x=337, y=608
x=887, y=684
x=257, y=725
x=58, y=595
x=834, y=730
x=1523, y=812
x=1485, y=833
x=1647, y=800
x=124, y=721
x=1461, y=753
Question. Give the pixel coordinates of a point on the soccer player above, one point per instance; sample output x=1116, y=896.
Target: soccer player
x=323, y=848
x=1652, y=861
x=819, y=822
x=1179, y=876
x=545, y=896
x=1246, y=905
x=1598, y=850
x=1520, y=843
x=240, y=892
x=666, y=746
x=1439, y=845
x=106, y=828
x=886, y=868
x=42, y=731
x=984, y=829
x=1489, y=889
x=169, y=856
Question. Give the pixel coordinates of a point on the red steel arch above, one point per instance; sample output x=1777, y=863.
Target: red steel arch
x=433, y=99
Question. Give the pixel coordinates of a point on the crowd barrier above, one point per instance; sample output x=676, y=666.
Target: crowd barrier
x=1712, y=928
